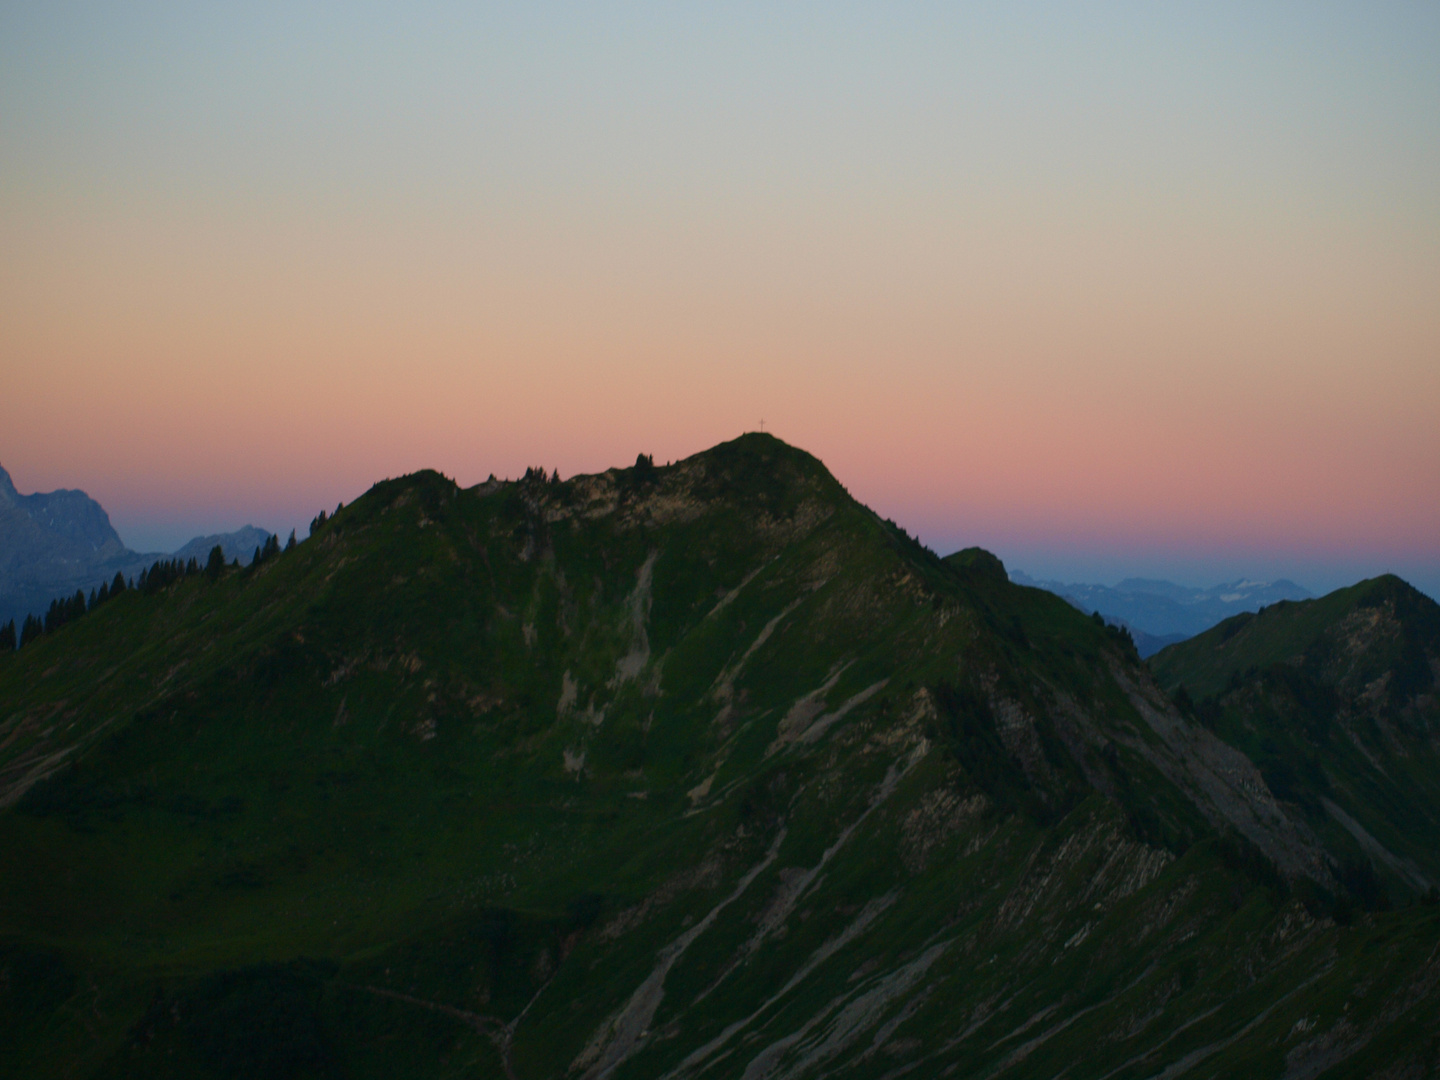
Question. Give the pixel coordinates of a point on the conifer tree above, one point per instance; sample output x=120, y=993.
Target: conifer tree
x=290, y=544
x=118, y=585
x=7, y=638
x=215, y=565
x=165, y=573
x=32, y=629
x=63, y=610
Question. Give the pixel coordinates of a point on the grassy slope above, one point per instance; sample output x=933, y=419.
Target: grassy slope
x=358, y=810
x=1310, y=631
x=1336, y=699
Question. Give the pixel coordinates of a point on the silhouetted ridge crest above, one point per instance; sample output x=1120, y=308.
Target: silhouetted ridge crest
x=515, y=763
x=1350, y=636
x=979, y=562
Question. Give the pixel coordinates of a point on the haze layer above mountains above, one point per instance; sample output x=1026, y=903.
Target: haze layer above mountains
x=706, y=770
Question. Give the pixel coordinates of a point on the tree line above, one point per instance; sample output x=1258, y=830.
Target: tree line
x=63, y=610
x=153, y=579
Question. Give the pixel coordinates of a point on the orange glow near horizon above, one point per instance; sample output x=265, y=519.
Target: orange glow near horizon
x=1186, y=336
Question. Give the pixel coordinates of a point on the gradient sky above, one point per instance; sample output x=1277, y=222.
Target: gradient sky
x=1107, y=288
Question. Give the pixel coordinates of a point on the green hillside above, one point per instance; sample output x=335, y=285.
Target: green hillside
x=697, y=770
x=1336, y=700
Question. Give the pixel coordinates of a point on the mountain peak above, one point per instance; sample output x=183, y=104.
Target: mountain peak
x=1336, y=701
x=51, y=544
x=1349, y=636
x=240, y=544
x=761, y=452
x=983, y=563
x=521, y=747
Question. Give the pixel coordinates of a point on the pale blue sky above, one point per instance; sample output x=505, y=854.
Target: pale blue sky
x=1114, y=288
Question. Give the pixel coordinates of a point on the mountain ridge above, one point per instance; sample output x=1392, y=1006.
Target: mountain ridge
x=239, y=545
x=1164, y=610
x=1338, y=701
x=55, y=543
x=701, y=769
x=52, y=544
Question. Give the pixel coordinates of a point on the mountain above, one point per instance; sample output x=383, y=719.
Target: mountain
x=1163, y=609
x=1337, y=701
x=702, y=770
x=241, y=544
x=53, y=544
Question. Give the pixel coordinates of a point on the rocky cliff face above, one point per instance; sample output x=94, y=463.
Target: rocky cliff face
x=696, y=771
x=50, y=534
x=52, y=544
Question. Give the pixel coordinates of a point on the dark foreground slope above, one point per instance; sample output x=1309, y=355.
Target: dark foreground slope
x=1337, y=701
x=693, y=771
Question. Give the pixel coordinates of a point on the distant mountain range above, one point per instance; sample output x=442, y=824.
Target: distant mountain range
x=1160, y=613
x=240, y=544
x=54, y=543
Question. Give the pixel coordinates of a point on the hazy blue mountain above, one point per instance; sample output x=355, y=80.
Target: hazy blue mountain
x=53, y=543
x=1165, y=610
x=240, y=544
x=1147, y=645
